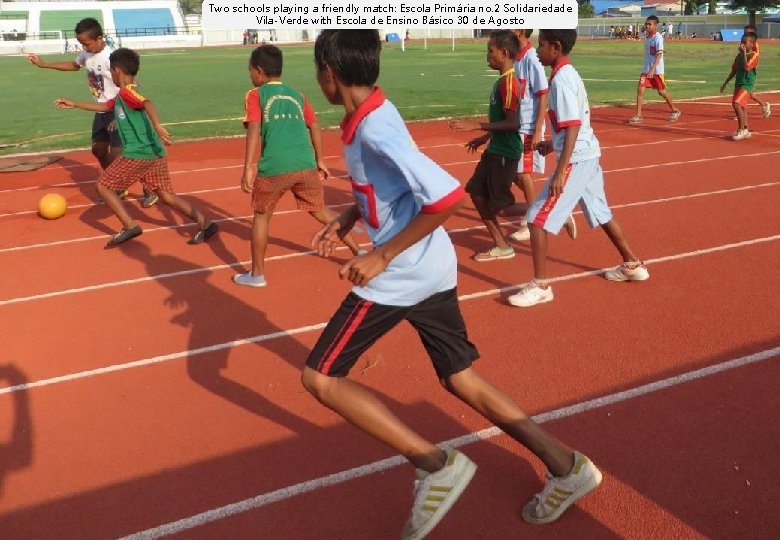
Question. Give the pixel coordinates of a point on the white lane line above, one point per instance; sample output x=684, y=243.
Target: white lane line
x=284, y=333
x=242, y=264
x=718, y=135
x=312, y=252
x=348, y=475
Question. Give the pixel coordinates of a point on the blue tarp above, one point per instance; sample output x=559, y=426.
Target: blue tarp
x=732, y=34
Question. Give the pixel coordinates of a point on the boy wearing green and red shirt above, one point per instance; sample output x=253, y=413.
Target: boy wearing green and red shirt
x=143, y=155
x=743, y=71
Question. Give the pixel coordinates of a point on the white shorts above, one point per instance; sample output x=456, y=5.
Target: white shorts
x=531, y=161
x=583, y=184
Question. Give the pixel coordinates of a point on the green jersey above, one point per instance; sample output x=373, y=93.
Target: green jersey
x=139, y=139
x=505, y=100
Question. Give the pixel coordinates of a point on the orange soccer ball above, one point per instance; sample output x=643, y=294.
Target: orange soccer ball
x=52, y=206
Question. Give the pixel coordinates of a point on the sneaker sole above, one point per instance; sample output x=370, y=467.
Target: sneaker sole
x=623, y=278
x=499, y=258
x=453, y=496
x=592, y=484
x=520, y=237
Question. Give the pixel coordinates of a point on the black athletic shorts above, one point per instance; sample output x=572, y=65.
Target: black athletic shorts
x=492, y=180
x=359, y=323
x=100, y=131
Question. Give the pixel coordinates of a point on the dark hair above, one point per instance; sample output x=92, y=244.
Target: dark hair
x=126, y=60
x=566, y=38
x=506, y=39
x=750, y=28
x=353, y=55
x=89, y=25
x=268, y=58
x=653, y=18
x=750, y=35
x=528, y=32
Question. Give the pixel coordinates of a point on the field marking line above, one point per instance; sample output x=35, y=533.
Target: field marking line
x=344, y=476
x=295, y=211
x=244, y=264
x=318, y=326
x=450, y=164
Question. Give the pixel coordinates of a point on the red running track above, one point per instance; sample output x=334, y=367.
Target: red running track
x=143, y=391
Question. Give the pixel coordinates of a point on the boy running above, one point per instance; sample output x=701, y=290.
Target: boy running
x=743, y=71
x=106, y=144
x=143, y=156
x=766, y=108
x=282, y=127
x=404, y=198
x=578, y=177
x=653, y=72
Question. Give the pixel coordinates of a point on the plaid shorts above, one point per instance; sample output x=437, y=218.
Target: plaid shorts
x=305, y=185
x=124, y=172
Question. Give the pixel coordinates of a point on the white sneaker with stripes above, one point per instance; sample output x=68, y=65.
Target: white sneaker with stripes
x=435, y=493
x=560, y=492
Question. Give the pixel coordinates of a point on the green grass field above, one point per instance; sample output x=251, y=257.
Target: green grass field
x=199, y=92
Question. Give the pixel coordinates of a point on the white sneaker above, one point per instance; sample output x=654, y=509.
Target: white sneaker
x=571, y=227
x=435, y=493
x=767, y=108
x=624, y=273
x=531, y=294
x=560, y=492
x=495, y=253
x=741, y=134
x=249, y=280
x=522, y=234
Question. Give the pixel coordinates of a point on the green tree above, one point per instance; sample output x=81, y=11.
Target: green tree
x=753, y=6
x=585, y=9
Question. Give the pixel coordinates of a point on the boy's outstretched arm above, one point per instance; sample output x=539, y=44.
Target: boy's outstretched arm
x=251, y=156
x=361, y=270
x=62, y=103
x=151, y=111
x=316, y=141
x=59, y=66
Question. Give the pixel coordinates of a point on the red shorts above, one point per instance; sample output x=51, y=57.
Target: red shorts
x=305, y=185
x=656, y=81
x=741, y=96
x=124, y=172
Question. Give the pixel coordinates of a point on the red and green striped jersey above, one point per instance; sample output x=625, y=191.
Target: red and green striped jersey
x=505, y=100
x=746, y=72
x=139, y=139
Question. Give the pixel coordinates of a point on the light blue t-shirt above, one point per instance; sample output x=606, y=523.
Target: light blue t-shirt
x=653, y=44
x=568, y=106
x=393, y=182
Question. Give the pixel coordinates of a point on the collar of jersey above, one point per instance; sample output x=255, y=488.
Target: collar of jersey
x=351, y=122
x=562, y=62
x=522, y=52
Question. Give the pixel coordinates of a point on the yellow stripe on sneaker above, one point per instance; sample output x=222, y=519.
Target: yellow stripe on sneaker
x=443, y=489
x=430, y=508
x=434, y=498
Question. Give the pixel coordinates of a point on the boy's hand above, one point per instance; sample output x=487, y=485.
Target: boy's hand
x=476, y=142
x=324, y=172
x=164, y=135
x=62, y=103
x=34, y=59
x=363, y=268
x=722, y=87
x=464, y=125
x=556, y=187
x=247, y=180
x=327, y=238
x=544, y=147
x=537, y=138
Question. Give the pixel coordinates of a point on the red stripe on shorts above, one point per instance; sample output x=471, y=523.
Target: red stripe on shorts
x=528, y=154
x=549, y=203
x=344, y=335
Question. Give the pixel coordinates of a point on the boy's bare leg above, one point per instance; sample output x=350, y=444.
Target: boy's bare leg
x=739, y=110
x=668, y=98
x=259, y=242
x=184, y=207
x=362, y=409
x=502, y=411
x=102, y=152
x=490, y=221
x=615, y=234
x=526, y=183
x=539, y=251
x=116, y=205
x=325, y=216
x=640, y=99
